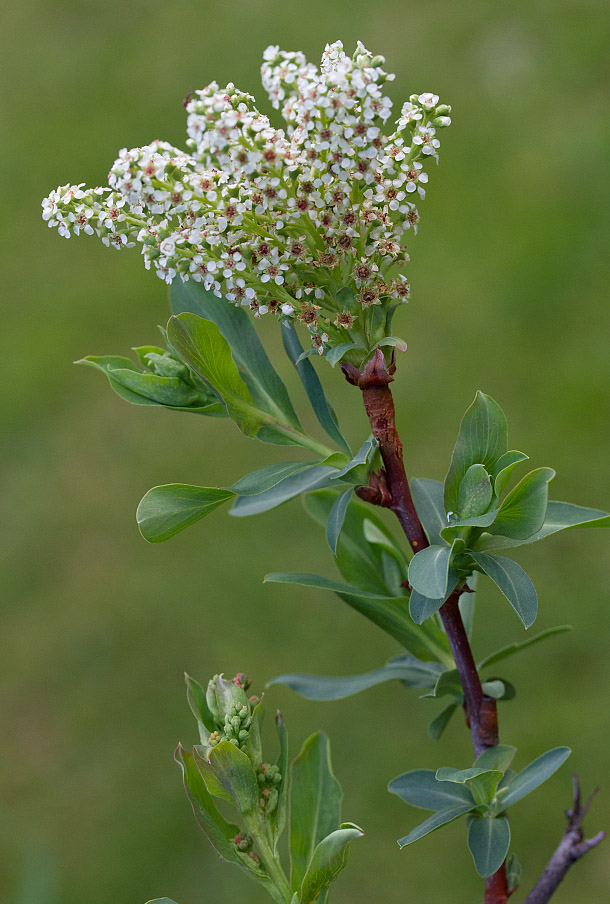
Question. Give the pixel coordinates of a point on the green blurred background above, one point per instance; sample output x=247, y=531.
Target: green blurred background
x=509, y=295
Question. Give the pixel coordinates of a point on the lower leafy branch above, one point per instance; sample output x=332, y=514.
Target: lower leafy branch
x=228, y=765
x=446, y=555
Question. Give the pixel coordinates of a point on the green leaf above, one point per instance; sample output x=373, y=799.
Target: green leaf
x=559, y=516
x=514, y=583
x=334, y=355
x=513, y=872
x=278, y=817
x=361, y=563
x=322, y=687
x=234, y=772
x=498, y=758
x=329, y=858
x=359, y=560
x=235, y=325
x=504, y=467
x=166, y=510
x=152, y=389
x=161, y=901
x=323, y=411
x=537, y=772
x=421, y=788
x=307, y=479
x=220, y=833
x=360, y=458
x=475, y=492
x=438, y=725
x=522, y=513
x=393, y=341
x=516, y=647
x=315, y=804
x=422, y=607
x=265, y=479
x=201, y=345
x=429, y=505
x=336, y=518
x=434, y=822
x=195, y=695
x=467, y=604
x=448, y=684
x=429, y=571
x=488, y=841
x=461, y=776
x=319, y=582
x=427, y=642
x=482, y=440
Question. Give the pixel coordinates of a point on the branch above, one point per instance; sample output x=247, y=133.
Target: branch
x=571, y=848
x=391, y=489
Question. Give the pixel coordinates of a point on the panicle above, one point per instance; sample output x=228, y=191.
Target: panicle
x=307, y=221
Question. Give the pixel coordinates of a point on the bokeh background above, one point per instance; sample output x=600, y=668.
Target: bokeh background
x=509, y=276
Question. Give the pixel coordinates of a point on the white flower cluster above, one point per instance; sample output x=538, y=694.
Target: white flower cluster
x=281, y=220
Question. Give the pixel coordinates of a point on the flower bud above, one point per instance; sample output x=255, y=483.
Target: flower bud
x=222, y=696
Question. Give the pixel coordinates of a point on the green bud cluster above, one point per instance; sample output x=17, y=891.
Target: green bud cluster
x=269, y=779
x=230, y=710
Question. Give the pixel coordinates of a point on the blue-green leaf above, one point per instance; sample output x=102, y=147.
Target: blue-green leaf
x=514, y=583
x=422, y=607
x=504, y=467
x=559, y=516
x=235, y=325
x=166, y=510
x=498, y=758
x=421, y=788
x=261, y=481
x=336, y=518
x=315, y=804
x=488, y=842
x=361, y=563
x=522, y=513
x=305, y=480
x=361, y=457
x=461, y=776
x=537, y=772
x=429, y=571
x=516, y=646
x=329, y=858
x=434, y=822
x=475, y=492
x=161, y=901
x=406, y=668
x=321, y=583
x=323, y=411
x=429, y=505
x=482, y=439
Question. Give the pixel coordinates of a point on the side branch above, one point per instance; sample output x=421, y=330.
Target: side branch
x=570, y=849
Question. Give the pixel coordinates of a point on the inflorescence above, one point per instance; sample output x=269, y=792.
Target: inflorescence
x=280, y=220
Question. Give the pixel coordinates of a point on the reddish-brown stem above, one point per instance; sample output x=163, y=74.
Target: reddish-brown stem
x=481, y=713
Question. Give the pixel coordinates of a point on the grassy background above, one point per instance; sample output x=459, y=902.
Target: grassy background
x=509, y=296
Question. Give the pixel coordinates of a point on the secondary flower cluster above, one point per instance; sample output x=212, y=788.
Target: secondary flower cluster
x=280, y=220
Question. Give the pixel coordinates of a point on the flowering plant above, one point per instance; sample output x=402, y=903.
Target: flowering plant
x=309, y=223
